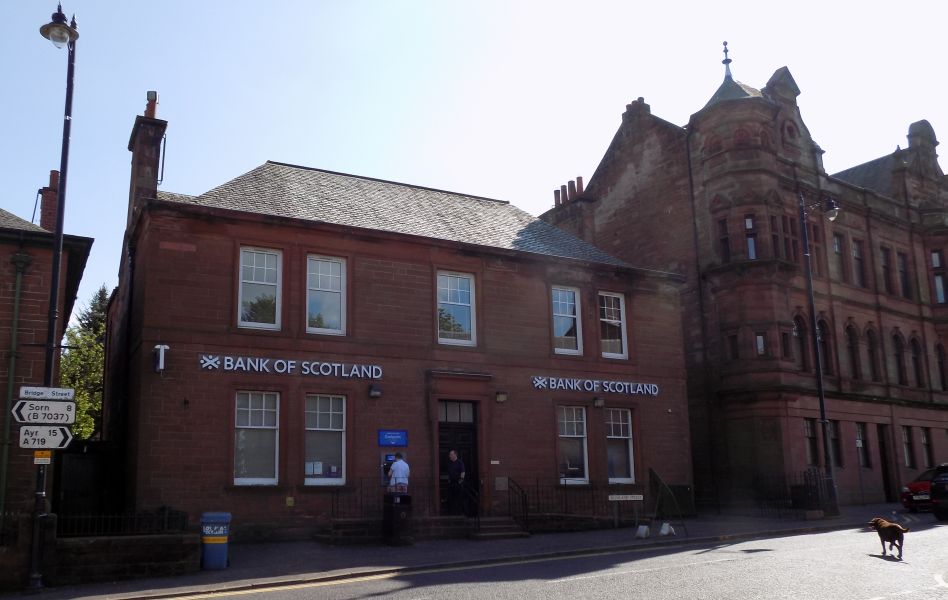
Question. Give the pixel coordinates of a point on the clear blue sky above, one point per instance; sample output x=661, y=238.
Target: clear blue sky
x=505, y=99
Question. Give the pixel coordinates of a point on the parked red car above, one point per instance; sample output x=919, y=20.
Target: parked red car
x=916, y=495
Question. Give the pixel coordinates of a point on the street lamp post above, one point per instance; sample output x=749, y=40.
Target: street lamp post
x=60, y=34
x=831, y=210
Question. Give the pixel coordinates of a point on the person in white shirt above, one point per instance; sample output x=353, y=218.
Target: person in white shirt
x=398, y=474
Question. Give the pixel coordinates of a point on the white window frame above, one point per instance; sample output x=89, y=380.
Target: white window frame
x=622, y=320
x=577, y=316
x=278, y=285
x=610, y=431
x=561, y=412
x=314, y=480
x=472, y=307
x=276, y=442
x=341, y=291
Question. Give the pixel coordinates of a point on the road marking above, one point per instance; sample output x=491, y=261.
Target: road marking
x=638, y=571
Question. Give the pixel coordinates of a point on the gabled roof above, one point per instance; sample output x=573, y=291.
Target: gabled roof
x=283, y=190
x=9, y=220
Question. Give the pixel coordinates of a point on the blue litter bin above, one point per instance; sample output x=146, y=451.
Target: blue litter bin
x=215, y=531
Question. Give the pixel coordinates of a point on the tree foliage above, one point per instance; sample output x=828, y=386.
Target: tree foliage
x=83, y=363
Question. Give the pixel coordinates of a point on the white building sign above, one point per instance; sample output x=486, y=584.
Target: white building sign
x=282, y=366
x=595, y=385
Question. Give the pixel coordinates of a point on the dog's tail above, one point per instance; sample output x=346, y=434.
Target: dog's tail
x=903, y=528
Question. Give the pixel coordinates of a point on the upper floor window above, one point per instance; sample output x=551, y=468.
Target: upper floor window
x=750, y=234
x=567, y=326
x=938, y=275
x=852, y=345
x=839, y=252
x=940, y=358
x=612, y=325
x=927, y=454
x=791, y=242
x=800, y=349
x=760, y=343
x=816, y=253
x=859, y=266
x=775, y=238
x=887, y=270
x=325, y=295
x=256, y=440
x=917, y=369
x=456, y=315
x=905, y=284
x=898, y=352
x=872, y=349
x=259, y=288
x=812, y=447
x=836, y=446
x=724, y=240
x=826, y=357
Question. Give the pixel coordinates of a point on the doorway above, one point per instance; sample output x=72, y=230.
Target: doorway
x=883, y=432
x=457, y=430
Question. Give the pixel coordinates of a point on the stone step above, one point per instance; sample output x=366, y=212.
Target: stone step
x=499, y=535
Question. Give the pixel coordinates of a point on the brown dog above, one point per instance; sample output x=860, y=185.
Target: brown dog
x=893, y=533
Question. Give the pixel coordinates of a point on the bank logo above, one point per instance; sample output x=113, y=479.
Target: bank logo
x=540, y=383
x=210, y=362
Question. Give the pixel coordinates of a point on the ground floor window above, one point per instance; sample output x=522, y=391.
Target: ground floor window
x=325, y=460
x=835, y=443
x=619, y=445
x=862, y=446
x=908, y=451
x=572, y=445
x=812, y=449
x=256, y=438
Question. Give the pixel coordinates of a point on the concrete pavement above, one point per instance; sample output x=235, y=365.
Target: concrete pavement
x=287, y=563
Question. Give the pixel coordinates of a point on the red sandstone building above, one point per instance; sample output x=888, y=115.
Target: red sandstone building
x=274, y=340
x=26, y=260
x=717, y=200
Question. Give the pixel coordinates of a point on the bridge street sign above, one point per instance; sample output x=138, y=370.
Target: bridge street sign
x=47, y=393
x=45, y=411
x=55, y=437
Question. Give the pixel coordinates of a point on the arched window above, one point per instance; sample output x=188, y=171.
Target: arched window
x=799, y=350
x=898, y=352
x=917, y=369
x=852, y=345
x=872, y=346
x=823, y=332
x=940, y=351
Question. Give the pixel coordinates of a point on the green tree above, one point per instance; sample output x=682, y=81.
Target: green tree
x=83, y=363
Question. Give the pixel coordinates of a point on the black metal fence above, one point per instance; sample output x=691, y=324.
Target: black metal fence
x=142, y=523
x=363, y=498
x=9, y=528
x=790, y=494
x=590, y=500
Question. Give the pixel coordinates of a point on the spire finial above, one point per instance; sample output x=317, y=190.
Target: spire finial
x=727, y=63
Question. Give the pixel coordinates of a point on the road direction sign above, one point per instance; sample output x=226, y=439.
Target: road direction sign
x=47, y=393
x=55, y=437
x=45, y=411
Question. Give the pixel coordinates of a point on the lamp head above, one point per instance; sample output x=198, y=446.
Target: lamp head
x=57, y=31
x=832, y=209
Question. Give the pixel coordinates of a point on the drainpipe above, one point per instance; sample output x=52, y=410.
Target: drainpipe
x=20, y=261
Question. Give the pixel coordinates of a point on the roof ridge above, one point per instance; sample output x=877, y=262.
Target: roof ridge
x=388, y=181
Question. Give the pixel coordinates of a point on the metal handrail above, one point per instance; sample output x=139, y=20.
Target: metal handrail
x=517, y=493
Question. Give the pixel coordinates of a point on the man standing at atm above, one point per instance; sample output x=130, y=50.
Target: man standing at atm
x=398, y=475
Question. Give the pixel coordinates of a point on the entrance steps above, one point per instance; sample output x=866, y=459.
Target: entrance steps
x=498, y=528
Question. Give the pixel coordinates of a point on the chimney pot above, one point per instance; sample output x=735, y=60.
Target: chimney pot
x=572, y=190
x=564, y=197
x=579, y=186
x=556, y=197
x=152, y=104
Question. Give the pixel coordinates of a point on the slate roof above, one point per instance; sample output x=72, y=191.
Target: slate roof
x=11, y=221
x=291, y=191
x=732, y=90
x=875, y=175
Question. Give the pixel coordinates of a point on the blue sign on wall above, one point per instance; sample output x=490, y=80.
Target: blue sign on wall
x=393, y=437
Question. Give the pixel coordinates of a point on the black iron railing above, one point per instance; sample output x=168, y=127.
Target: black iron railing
x=362, y=498
x=143, y=523
x=789, y=494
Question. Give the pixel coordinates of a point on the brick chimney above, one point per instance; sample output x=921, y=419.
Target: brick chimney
x=145, y=146
x=49, y=202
